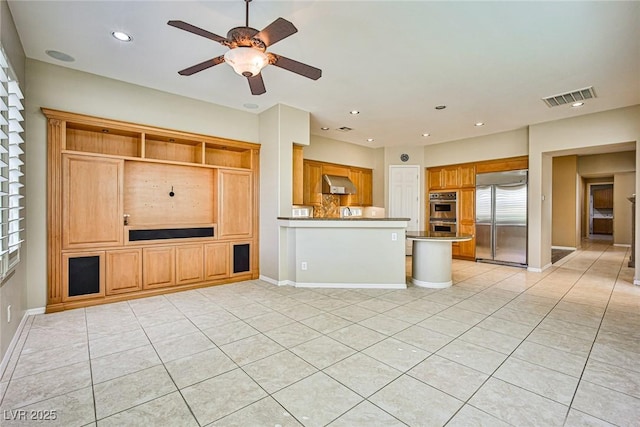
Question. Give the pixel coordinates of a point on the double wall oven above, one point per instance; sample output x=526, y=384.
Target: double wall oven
x=443, y=213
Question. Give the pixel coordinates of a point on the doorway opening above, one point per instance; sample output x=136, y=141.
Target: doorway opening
x=600, y=211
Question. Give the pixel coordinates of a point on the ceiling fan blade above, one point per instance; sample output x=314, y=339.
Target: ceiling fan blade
x=276, y=31
x=297, y=67
x=202, y=66
x=256, y=84
x=196, y=30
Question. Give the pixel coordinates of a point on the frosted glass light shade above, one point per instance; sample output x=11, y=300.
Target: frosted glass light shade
x=246, y=61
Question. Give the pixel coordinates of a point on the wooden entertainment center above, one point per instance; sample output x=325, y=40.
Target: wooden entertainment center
x=135, y=210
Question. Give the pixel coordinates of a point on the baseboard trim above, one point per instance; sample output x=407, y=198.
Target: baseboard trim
x=622, y=245
x=636, y=282
x=564, y=248
x=34, y=311
x=276, y=282
x=352, y=285
x=16, y=337
x=538, y=270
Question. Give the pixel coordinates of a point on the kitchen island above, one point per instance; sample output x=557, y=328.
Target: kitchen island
x=431, y=263
x=345, y=252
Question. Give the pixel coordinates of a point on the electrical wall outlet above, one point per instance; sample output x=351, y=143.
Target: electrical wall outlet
x=394, y=236
x=8, y=314
x=303, y=265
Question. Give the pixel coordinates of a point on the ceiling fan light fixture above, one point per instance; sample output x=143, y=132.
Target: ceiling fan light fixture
x=246, y=61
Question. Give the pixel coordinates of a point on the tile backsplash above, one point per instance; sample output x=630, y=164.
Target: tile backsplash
x=330, y=207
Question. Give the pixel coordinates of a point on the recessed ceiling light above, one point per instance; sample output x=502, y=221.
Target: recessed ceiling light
x=370, y=139
x=354, y=112
x=425, y=134
x=123, y=37
x=479, y=124
x=324, y=128
x=577, y=104
x=440, y=107
x=250, y=106
x=60, y=56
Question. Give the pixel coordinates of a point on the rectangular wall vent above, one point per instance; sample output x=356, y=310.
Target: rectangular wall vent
x=345, y=129
x=570, y=97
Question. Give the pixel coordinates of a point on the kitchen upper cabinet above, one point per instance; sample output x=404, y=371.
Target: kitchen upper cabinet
x=444, y=178
x=435, y=178
x=366, y=185
x=235, y=198
x=312, y=179
x=298, y=175
x=467, y=176
x=603, y=198
x=92, y=214
x=450, y=178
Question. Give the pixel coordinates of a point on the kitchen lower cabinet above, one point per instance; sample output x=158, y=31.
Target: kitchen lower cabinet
x=159, y=267
x=123, y=271
x=602, y=225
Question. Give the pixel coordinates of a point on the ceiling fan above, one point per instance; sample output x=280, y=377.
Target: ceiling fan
x=247, y=51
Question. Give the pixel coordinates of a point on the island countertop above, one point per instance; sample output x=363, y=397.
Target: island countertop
x=348, y=218
x=427, y=235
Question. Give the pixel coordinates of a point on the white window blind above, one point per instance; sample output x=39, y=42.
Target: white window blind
x=11, y=181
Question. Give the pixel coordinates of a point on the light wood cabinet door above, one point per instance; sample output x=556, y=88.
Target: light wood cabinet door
x=158, y=267
x=298, y=175
x=235, y=207
x=366, y=184
x=435, y=178
x=467, y=176
x=466, y=205
x=91, y=201
x=189, y=264
x=124, y=271
x=467, y=249
x=450, y=178
x=312, y=183
x=216, y=261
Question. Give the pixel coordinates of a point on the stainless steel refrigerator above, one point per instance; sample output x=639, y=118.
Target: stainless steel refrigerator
x=501, y=217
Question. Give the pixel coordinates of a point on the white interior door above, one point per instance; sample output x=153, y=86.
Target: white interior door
x=404, y=196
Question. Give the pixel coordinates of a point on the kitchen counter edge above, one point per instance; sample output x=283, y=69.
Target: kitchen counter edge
x=291, y=218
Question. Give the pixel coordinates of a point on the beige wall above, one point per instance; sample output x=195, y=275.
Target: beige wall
x=333, y=151
x=624, y=185
x=564, y=202
x=13, y=290
x=606, y=164
x=64, y=89
x=497, y=146
x=595, y=131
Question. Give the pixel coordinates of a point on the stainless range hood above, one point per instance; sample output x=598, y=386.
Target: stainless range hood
x=334, y=184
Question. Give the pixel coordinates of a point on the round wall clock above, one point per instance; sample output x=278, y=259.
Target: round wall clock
x=404, y=157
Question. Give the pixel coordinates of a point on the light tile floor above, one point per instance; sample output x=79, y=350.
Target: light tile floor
x=503, y=346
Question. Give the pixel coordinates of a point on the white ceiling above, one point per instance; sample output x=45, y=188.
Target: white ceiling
x=392, y=60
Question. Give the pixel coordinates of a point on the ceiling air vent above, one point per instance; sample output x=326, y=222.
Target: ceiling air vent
x=344, y=129
x=570, y=97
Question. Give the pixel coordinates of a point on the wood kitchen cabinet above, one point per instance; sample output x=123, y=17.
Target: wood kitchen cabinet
x=467, y=175
x=312, y=183
x=444, y=178
x=466, y=222
x=602, y=225
x=603, y=198
x=366, y=185
x=298, y=175
x=363, y=181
